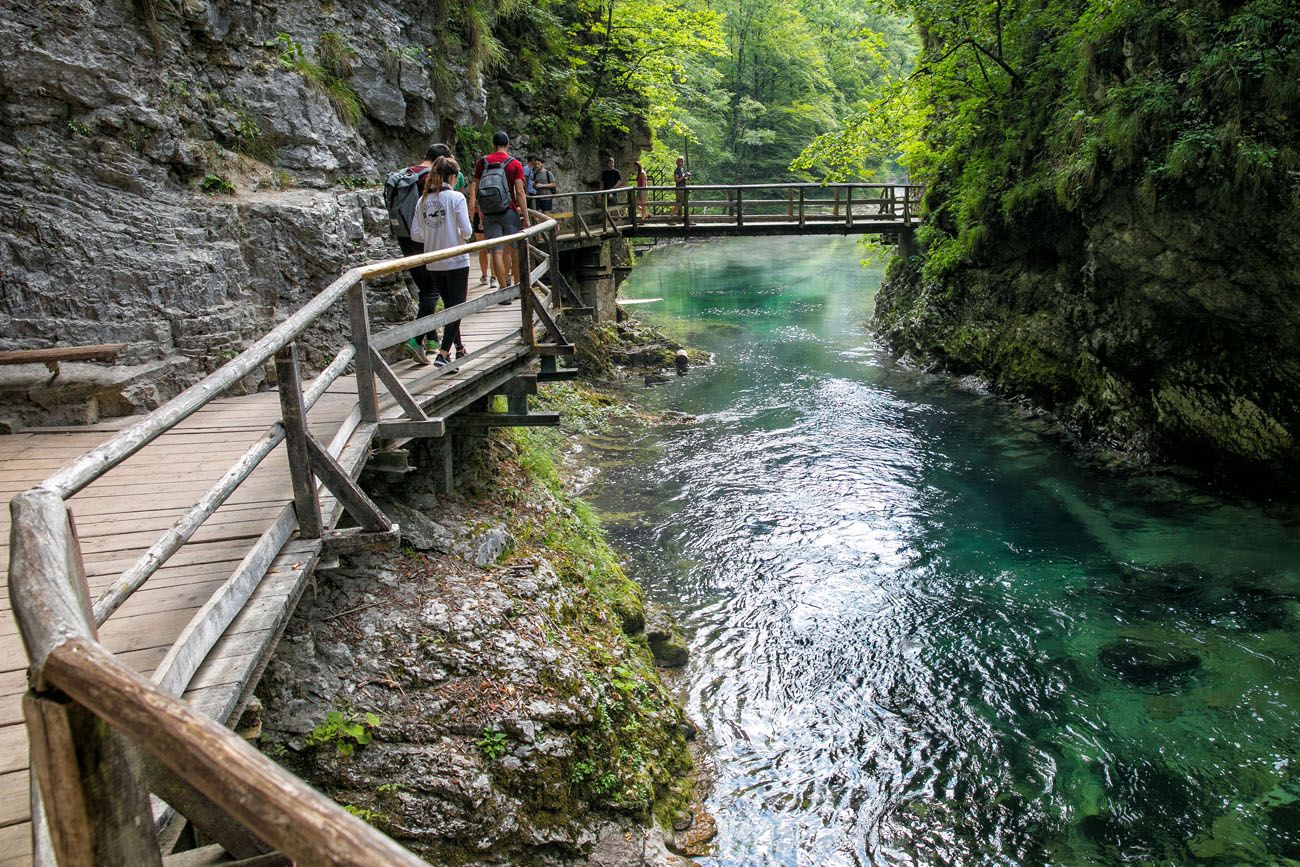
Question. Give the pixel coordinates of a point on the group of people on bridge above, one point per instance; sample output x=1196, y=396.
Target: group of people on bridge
x=429, y=210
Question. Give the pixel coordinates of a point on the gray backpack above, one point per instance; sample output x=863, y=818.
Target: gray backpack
x=494, y=194
x=401, y=193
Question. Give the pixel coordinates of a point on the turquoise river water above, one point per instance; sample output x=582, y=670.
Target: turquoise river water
x=922, y=630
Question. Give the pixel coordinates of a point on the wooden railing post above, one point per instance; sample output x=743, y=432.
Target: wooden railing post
x=632, y=209
x=367, y=392
x=789, y=204
x=802, y=190
x=686, y=207
x=526, y=296
x=89, y=786
x=848, y=207
x=553, y=250
x=306, y=505
x=740, y=207
x=835, y=212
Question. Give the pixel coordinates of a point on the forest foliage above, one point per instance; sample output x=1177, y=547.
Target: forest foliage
x=1016, y=109
x=738, y=86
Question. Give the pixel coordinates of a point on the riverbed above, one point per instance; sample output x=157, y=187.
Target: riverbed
x=923, y=629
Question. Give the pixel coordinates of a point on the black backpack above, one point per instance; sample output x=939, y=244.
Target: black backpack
x=494, y=194
x=401, y=193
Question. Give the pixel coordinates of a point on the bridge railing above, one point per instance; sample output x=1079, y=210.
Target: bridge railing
x=597, y=213
x=90, y=717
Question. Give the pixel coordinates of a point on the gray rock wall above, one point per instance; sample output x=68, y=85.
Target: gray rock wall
x=106, y=141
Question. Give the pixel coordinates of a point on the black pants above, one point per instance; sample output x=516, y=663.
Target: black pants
x=453, y=286
x=423, y=278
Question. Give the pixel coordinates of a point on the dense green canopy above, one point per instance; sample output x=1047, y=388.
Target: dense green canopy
x=740, y=86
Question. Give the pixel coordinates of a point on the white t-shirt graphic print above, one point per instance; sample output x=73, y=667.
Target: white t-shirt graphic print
x=442, y=221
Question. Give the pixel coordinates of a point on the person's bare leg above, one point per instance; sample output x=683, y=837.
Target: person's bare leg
x=483, y=267
x=499, y=268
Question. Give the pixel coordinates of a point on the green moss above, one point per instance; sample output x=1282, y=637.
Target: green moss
x=632, y=755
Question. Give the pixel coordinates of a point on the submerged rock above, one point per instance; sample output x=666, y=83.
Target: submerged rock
x=1145, y=663
x=667, y=643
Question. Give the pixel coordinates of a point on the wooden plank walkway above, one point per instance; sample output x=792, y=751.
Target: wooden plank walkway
x=120, y=515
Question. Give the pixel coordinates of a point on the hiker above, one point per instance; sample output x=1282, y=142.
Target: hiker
x=530, y=166
x=402, y=190
x=498, y=195
x=442, y=221
x=680, y=178
x=642, y=181
x=544, y=181
x=611, y=177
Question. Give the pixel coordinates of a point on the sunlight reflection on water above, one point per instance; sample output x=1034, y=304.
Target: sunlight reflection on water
x=922, y=632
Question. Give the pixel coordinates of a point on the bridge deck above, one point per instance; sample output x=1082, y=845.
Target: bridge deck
x=125, y=511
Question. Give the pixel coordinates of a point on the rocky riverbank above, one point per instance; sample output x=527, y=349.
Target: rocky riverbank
x=489, y=693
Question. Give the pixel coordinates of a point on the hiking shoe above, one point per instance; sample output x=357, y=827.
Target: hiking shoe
x=493, y=283
x=482, y=279
x=441, y=361
x=460, y=350
x=416, y=351
x=507, y=302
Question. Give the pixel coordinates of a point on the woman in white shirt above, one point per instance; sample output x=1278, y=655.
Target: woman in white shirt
x=442, y=220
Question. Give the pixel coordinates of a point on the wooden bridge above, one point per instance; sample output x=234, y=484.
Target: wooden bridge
x=735, y=210
x=154, y=562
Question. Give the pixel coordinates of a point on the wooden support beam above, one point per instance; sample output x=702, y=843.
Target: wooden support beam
x=526, y=298
x=445, y=467
x=398, y=430
x=548, y=322
x=346, y=490
x=359, y=316
x=397, y=388
x=517, y=396
x=288, y=380
x=268, y=800
x=353, y=539
x=91, y=777
x=558, y=375
x=206, y=816
x=555, y=349
x=507, y=419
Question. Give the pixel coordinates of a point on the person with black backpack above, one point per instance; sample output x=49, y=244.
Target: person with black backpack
x=402, y=191
x=498, y=195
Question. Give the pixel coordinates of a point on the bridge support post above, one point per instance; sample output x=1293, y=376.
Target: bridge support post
x=288, y=380
x=907, y=241
x=367, y=393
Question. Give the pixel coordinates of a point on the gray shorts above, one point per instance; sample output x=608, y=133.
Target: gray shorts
x=500, y=225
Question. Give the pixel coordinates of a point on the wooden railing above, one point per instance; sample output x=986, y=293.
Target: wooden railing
x=794, y=207
x=91, y=719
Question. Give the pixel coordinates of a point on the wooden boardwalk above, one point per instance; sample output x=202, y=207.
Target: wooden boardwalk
x=121, y=514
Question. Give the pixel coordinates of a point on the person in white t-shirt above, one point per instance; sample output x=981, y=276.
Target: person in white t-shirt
x=442, y=220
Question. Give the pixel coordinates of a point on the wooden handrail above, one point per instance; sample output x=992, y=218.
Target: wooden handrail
x=57, y=623
x=255, y=791
x=94, y=463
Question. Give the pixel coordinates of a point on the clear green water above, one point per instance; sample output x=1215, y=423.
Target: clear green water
x=922, y=631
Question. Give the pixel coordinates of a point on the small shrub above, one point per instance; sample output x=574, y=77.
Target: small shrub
x=363, y=813
x=344, y=731
x=216, y=185
x=493, y=743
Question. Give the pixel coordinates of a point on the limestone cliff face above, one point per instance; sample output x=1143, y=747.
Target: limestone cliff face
x=1158, y=333
x=182, y=193
x=1123, y=244
x=107, y=140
